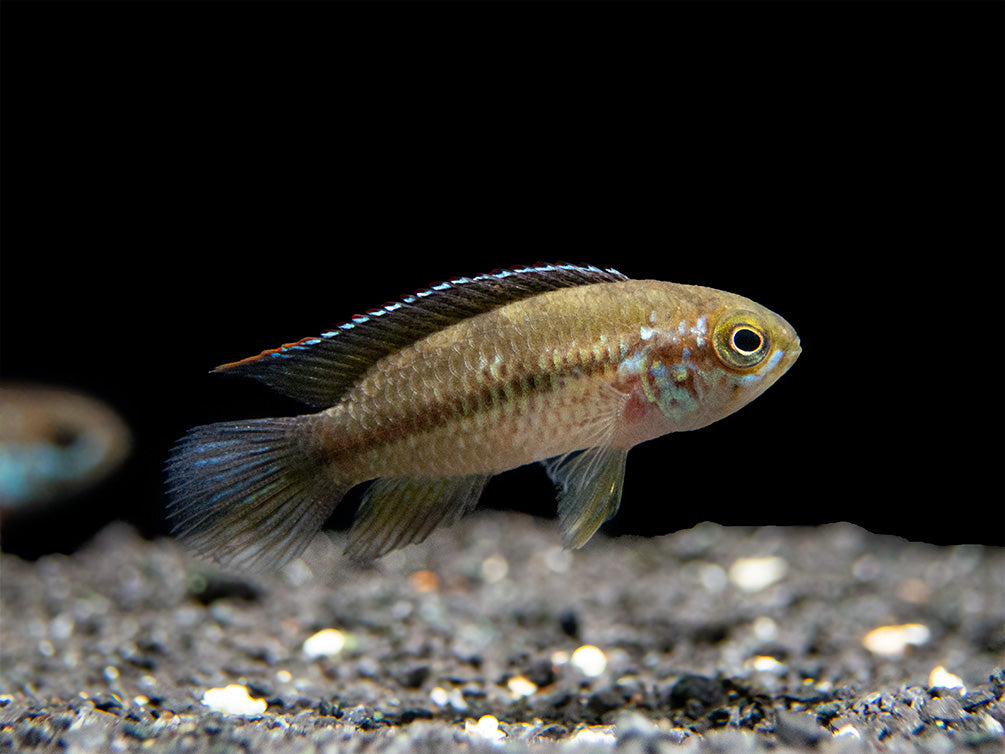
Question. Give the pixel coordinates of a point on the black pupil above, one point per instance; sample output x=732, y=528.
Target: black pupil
x=746, y=339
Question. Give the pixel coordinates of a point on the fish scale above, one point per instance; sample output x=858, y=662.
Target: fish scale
x=449, y=375
x=460, y=388
x=570, y=366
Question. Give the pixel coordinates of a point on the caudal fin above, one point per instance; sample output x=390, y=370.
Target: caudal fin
x=249, y=494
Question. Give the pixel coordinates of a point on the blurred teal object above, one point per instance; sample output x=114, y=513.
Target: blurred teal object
x=54, y=444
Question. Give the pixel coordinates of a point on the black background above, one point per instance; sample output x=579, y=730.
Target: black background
x=189, y=184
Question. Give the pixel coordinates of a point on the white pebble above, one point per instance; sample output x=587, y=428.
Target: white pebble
x=61, y=626
x=755, y=574
x=589, y=660
x=487, y=728
x=441, y=698
x=765, y=629
x=765, y=664
x=891, y=641
x=597, y=735
x=494, y=568
x=943, y=679
x=233, y=700
x=847, y=731
x=520, y=686
x=325, y=643
x=713, y=577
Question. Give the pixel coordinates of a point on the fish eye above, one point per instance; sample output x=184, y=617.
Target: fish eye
x=746, y=340
x=740, y=341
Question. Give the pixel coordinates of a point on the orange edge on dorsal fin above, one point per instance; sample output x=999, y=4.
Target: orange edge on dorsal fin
x=302, y=343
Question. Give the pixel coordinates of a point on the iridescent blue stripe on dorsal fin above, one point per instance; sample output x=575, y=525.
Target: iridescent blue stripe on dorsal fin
x=319, y=370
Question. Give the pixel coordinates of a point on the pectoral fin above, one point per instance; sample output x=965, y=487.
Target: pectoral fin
x=398, y=511
x=589, y=490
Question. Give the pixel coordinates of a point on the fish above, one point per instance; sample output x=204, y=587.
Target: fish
x=430, y=396
x=55, y=443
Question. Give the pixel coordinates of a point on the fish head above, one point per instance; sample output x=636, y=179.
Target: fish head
x=753, y=347
x=720, y=358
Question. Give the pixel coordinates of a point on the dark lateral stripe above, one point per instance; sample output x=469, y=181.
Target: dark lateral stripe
x=487, y=398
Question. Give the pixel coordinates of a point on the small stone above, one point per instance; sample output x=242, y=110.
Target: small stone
x=520, y=687
x=946, y=709
x=755, y=574
x=604, y=701
x=107, y=702
x=541, y=673
x=892, y=641
x=707, y=692
x=601, y=734
x=138, y=730
x=631, y=726
x=424, y=582
x=589, y=660
x=411, y=714
x=487, y=728
x=765, y=664
x=494, y=568
x=568, y=621
x=453, y=698
x=261, y=689
x=233, y=700
x=553, y=731
x=328, y=708
x=363, y=718
x=414, y=677
x=847, y=731
x=943, y=679
x=325, y=643
x=799, y=729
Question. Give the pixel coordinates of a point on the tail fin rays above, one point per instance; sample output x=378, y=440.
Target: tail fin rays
x=249, y=494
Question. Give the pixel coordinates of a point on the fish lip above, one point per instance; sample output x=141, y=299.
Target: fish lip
x=790, y=353
x=793, y=349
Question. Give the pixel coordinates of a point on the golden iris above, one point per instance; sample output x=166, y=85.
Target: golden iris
x=740, y=341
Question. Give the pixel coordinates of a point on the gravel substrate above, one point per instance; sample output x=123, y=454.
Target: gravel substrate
x=710, y=639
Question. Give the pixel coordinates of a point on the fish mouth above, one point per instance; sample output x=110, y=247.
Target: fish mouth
x=795, y=349
x=790, y=354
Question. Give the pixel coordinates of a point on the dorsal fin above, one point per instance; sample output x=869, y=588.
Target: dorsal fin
x=319, y=370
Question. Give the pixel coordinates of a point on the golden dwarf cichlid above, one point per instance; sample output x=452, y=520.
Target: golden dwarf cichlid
x=432, y=396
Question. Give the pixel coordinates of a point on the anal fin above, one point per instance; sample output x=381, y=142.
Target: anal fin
x=398, y=511
x=589, y=490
